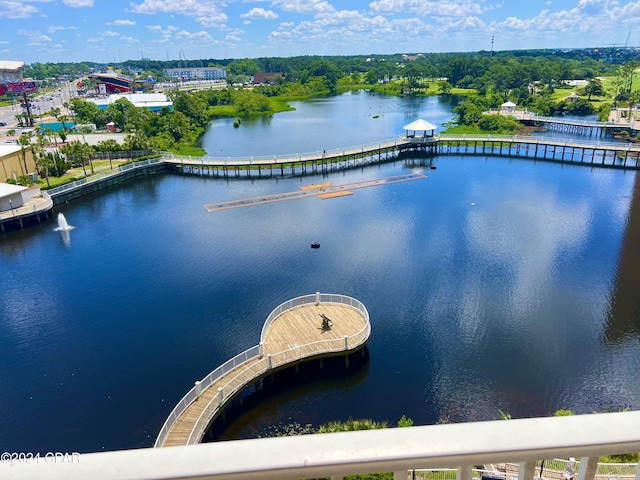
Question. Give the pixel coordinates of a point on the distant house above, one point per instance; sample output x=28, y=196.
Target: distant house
x=267, y=77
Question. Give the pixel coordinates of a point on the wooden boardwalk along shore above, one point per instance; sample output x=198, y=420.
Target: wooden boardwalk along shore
x=292, y=333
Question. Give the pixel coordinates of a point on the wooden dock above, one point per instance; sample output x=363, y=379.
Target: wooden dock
x=292, y=333
x=321, y=190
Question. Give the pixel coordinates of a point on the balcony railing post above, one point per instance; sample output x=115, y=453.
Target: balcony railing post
x=588, y=468
x=526, y=470
x=269, y=362
x=463, y=472
x=219, y=396
x=346, y=342
x=198, y=389
x=261, y=350
x=317, y=298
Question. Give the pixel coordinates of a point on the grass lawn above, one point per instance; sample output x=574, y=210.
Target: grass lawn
x=76, y=173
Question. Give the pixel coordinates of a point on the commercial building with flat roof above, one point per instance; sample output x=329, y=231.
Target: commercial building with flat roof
x=196, y=73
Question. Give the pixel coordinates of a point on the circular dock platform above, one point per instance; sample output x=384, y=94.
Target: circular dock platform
x=300, y=329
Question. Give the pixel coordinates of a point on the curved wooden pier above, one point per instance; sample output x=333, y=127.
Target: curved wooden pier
x=291, y=334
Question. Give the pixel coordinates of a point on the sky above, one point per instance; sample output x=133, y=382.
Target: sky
x=112, y=31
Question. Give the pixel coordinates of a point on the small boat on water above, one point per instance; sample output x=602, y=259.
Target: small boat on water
x=315, y=245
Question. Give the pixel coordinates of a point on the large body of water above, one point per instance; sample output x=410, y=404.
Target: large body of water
x=493, y=284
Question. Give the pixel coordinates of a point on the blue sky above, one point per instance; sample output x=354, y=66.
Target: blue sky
x=109, y=31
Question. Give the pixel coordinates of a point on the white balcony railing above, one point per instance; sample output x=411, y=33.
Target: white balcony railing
x=334, y=455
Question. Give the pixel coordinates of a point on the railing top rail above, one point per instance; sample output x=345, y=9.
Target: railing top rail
x=311, y=298
x=541, y=140
x=301, y=352
x=337, y=454
x=182, y=405
x=288, y=157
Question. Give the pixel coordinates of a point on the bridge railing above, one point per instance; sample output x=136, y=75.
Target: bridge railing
x=239, y=380
x=102, y=175
x=205, y=383
x=312, y=298
x=277, y=159
x=28, y=210
x=266, y=363
x=541, y=140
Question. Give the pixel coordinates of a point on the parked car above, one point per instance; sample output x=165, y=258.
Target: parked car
x=3, y=124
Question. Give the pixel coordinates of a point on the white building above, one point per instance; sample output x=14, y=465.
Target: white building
x=10, y=196
x=152, y=101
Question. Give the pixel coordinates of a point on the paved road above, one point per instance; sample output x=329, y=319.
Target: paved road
x=39, y=104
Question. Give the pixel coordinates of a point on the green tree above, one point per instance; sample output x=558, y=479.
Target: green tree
x=445, y=88
x=60, y=164
x=594, y=88
x=44, y=160
x=246, y=66
x=78, y=153
x=109, y=146
x=24, y=141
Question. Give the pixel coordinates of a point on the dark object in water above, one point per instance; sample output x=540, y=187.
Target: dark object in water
x=433, y=167
x=315, y=245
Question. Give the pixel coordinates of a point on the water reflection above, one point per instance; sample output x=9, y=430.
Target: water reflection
x=623, y=317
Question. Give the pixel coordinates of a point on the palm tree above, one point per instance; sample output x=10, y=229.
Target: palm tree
x=24, y=141
x=109, y=146
x=80, y=152
x=62, y=118
x=44, y=160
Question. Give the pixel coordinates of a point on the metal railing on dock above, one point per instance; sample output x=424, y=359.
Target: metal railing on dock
x=236, y=374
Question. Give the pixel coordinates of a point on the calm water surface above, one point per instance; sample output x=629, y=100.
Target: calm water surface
x=493, y=284
x=323, y=123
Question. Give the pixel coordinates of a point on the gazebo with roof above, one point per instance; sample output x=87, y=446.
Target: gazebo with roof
x=419, y=126
x=508, y=107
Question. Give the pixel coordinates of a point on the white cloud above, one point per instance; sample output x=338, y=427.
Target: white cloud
x=34, y=37
x=200, y=36
x=15, y=10
x=78, y=3
x=260, y=13
x=57, y=28
x=445, y=8
x=303, y=6
x=124, y=22
x=206, y=13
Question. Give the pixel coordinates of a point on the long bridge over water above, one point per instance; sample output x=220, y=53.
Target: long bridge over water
x=576, y=151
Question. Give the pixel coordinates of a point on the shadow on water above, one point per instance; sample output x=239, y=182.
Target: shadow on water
x=623, y=318
x=251, y=413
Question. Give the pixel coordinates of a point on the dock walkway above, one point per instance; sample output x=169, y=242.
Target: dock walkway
x=291, y=334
